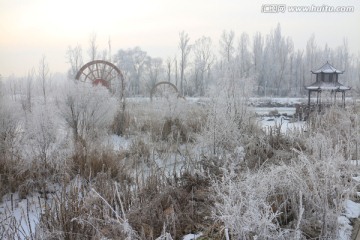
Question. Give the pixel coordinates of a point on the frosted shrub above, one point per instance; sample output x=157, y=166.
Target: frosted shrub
x=41, y=134
x=326, y=180
x=9, y=142
x=302, y=198
x=88, y=111
x=9, y=125
x=242, y=205
x=227, y=118
x=221, y=130
x=341, y=126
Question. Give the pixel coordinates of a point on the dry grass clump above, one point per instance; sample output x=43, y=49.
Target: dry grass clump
x=179, y=207
x=271, y=146
x=174, y=130
x=97, y=160
x=139, y=151
x=121, y=123
x=11, y=177
x=64, y=217
x=78, y=211
x=26, y=176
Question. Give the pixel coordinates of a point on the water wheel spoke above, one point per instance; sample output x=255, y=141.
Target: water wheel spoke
x=83, y=73
x=103, y=71
x=97, y=71
x=108, y=73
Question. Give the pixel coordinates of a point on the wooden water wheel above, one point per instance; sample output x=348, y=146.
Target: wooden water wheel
x=100, y=72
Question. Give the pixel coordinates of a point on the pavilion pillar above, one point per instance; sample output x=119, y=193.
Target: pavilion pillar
x=317, y=97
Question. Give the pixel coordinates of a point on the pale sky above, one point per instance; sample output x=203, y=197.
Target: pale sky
x=30, y=29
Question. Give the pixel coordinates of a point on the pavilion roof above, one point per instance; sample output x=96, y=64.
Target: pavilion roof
x=327, y=68
x=336, y=86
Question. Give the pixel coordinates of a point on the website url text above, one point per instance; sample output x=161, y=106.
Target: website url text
x=282, y=8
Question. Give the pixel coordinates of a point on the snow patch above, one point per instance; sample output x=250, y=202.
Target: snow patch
x=356, y=178
x=352, y=209
x=120, y=143
x=192, y=236
x=23, y=214
x=345, y=228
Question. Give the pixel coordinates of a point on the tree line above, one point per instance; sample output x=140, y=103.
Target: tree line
x=268, y=64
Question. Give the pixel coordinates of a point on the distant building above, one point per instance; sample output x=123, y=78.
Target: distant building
x=327, y=79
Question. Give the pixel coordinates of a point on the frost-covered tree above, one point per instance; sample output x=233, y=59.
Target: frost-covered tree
x=185, y=49
x=75, y=59
x=93, y=47
x=203, y=60
x=244, y=56
x=277, y=52
x=155, y=72
x=169, y=66
x=133, y=64
x=311, y=56
x=258, y=61
x=27, y=91
x=44, y=77
x=227, y=48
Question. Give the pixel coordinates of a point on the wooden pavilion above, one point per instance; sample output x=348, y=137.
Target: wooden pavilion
x=327, y=80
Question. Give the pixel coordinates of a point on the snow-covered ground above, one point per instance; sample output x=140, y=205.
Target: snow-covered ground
x=23, y=214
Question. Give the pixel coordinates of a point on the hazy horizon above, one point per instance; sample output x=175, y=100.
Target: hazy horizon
x=33, y=29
